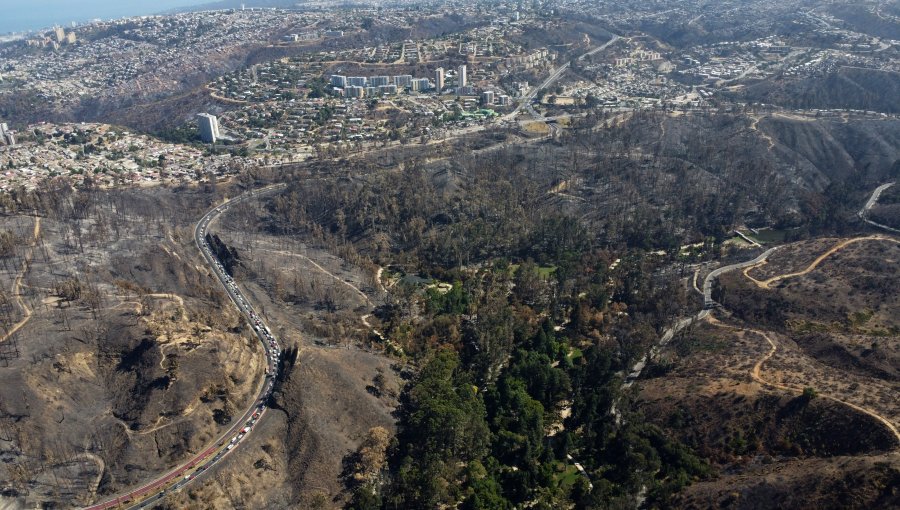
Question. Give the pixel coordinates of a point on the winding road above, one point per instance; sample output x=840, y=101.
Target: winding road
x=708, y=304
x=766, y=284
x=175, y=479
x=756, y=375
x=17, y=286
x=708, y=301
x=864, y=212
x=756, y=371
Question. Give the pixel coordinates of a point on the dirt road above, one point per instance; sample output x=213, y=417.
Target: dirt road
x=767, y=284
x=17, y=286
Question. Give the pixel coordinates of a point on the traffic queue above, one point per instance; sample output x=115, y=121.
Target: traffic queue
x=156, y=490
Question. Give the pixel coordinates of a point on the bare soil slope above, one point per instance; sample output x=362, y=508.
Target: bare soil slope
x=733, y=387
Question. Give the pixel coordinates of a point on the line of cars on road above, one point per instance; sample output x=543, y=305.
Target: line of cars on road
x=213, y=454
x=273, y=351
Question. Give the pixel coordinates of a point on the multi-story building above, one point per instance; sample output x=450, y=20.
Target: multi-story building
x=373, y=91
x=378, y=81
x=209, y=127
x=403, y=80
x=420, y=84
x=6, y=136
x=354, y=91
x=503, y=100
x=357, y=81
x=439, y=79
x=461, y=80
x=487, y=97
x=388, y=90
x=338, y=80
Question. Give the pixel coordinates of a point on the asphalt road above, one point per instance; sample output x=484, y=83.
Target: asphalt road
x=153, y=491
x=864, y=212
x=708, y=301
x=708, y=304
x=526, y=101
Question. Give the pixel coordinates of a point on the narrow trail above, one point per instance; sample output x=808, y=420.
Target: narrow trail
x=766, y=284
x=130, y=432
x=378, y=278
x=174, y=297
x=757, y=370
x=17, y=286
x=363, y=318
x=323, y=270
x=754, y=126
x=756, y=373
x=101, y=464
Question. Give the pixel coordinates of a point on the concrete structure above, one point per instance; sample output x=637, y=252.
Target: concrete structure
x=461, y=79
x=403, y=80
x=439, y=79
x=378, y=81
x=60, y=34
x=357, y=81
x=338, y=80
x=420, y=84
x=209, y=127
x=487, y=97
x=503, y=100
x=354, y=91
x=388, y=90
x=6, y=136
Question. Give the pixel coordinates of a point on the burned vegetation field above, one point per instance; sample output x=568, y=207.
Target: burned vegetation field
x=469, y=326
x=120, y=356
x=791, y=387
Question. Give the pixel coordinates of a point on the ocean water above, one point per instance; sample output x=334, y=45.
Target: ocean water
x=25, y=15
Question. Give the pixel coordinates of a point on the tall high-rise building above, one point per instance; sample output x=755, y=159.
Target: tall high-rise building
x=487, y=97
x=461, y=76
x=6, y=136
x=439, y=79
x=60, y=34
x=420, y=84
x=209, y=127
